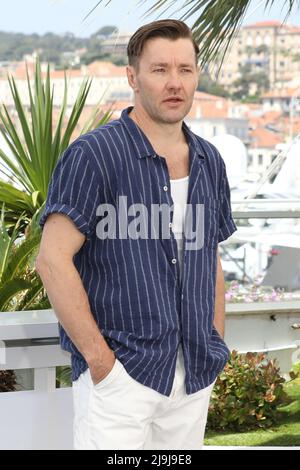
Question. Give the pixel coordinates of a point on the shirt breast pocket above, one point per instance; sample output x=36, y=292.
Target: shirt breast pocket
x=210, y=229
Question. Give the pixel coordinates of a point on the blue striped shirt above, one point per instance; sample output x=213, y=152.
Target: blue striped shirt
x=142, y=306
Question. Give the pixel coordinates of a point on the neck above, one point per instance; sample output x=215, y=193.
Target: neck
x=158, y=132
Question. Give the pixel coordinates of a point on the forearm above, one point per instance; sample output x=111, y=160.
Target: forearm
x=71, y=305
x=219, y=318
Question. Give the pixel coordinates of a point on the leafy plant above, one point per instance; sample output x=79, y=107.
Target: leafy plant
x=64, y=376
x=37, y=146
x=295, y=372
x=246, y=394
x=20, y=286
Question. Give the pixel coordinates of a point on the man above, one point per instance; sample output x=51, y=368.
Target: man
x=129, y=300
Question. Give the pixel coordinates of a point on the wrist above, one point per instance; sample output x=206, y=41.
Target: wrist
x=98, y=355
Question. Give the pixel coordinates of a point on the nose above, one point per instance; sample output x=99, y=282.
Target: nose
x=174, y=81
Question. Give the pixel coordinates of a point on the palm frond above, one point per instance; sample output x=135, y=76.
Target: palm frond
x=215, y=24
x=22, y=254
x=11, y=289
x=94, y=8
x=6, y=243
x=31, y=299
x=64, y=376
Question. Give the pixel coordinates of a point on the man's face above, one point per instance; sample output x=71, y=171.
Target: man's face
x=166, y=79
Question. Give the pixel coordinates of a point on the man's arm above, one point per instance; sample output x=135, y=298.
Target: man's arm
x=219, y=318
x=54, y=263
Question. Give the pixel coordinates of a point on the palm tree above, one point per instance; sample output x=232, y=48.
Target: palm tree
x=216, y=23
x=36, y=148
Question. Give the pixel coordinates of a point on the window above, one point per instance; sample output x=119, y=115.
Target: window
x=258, y=40
x=260, y=159
x=267, y=39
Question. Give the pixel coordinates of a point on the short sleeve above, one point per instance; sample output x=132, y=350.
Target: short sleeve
x=226, y=222
x=73, y=190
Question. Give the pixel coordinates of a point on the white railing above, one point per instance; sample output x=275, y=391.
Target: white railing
x=42, y=418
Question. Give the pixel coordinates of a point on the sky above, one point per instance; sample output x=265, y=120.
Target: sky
x=61, y=16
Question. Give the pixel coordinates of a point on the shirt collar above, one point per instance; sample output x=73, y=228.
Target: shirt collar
x=142, y=143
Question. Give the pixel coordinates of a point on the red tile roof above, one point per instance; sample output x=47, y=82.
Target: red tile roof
x=264, y=24
x=273, y=24
x=212, y=106
x=200, y=95
x=98, y=68
x=105, y=69
x=282, y=93
x=263, y=138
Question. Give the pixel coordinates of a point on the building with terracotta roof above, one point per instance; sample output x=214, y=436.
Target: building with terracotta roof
x=209, y=116
x=285, y=100
x=262, y=149
x=109, y=82
x=266, y=46
x=267, y=130
x=213, y=115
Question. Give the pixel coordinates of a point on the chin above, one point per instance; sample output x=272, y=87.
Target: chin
x=172, y=118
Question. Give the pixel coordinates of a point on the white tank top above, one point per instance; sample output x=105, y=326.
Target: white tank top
x=179, y=192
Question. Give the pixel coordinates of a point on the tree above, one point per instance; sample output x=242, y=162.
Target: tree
x=106, y=31
x=216, y=23
x=208, y=85
x=248, y=77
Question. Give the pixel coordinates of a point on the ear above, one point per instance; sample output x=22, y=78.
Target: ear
x=131, y=77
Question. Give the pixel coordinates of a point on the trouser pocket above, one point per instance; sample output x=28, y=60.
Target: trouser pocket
x=113, y=374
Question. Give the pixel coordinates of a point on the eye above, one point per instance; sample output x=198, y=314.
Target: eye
x=159, y=70
x=186, y=70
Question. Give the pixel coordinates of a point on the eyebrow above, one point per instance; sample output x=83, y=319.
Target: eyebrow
x=165, y=64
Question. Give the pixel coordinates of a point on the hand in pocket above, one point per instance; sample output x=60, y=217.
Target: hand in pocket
x=101, y=370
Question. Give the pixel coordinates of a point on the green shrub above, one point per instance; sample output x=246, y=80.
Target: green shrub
x=63, y=376
x=246, y=394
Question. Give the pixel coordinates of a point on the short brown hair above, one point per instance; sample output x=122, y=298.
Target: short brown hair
x=168, y=29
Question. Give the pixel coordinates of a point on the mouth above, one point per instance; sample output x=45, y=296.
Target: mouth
x=173, y=100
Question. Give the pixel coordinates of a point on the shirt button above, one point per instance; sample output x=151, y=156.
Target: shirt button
x=165, y=188
x=170, y=224
x=174, y=260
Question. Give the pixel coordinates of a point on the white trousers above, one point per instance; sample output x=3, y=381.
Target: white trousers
x=121, y=413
